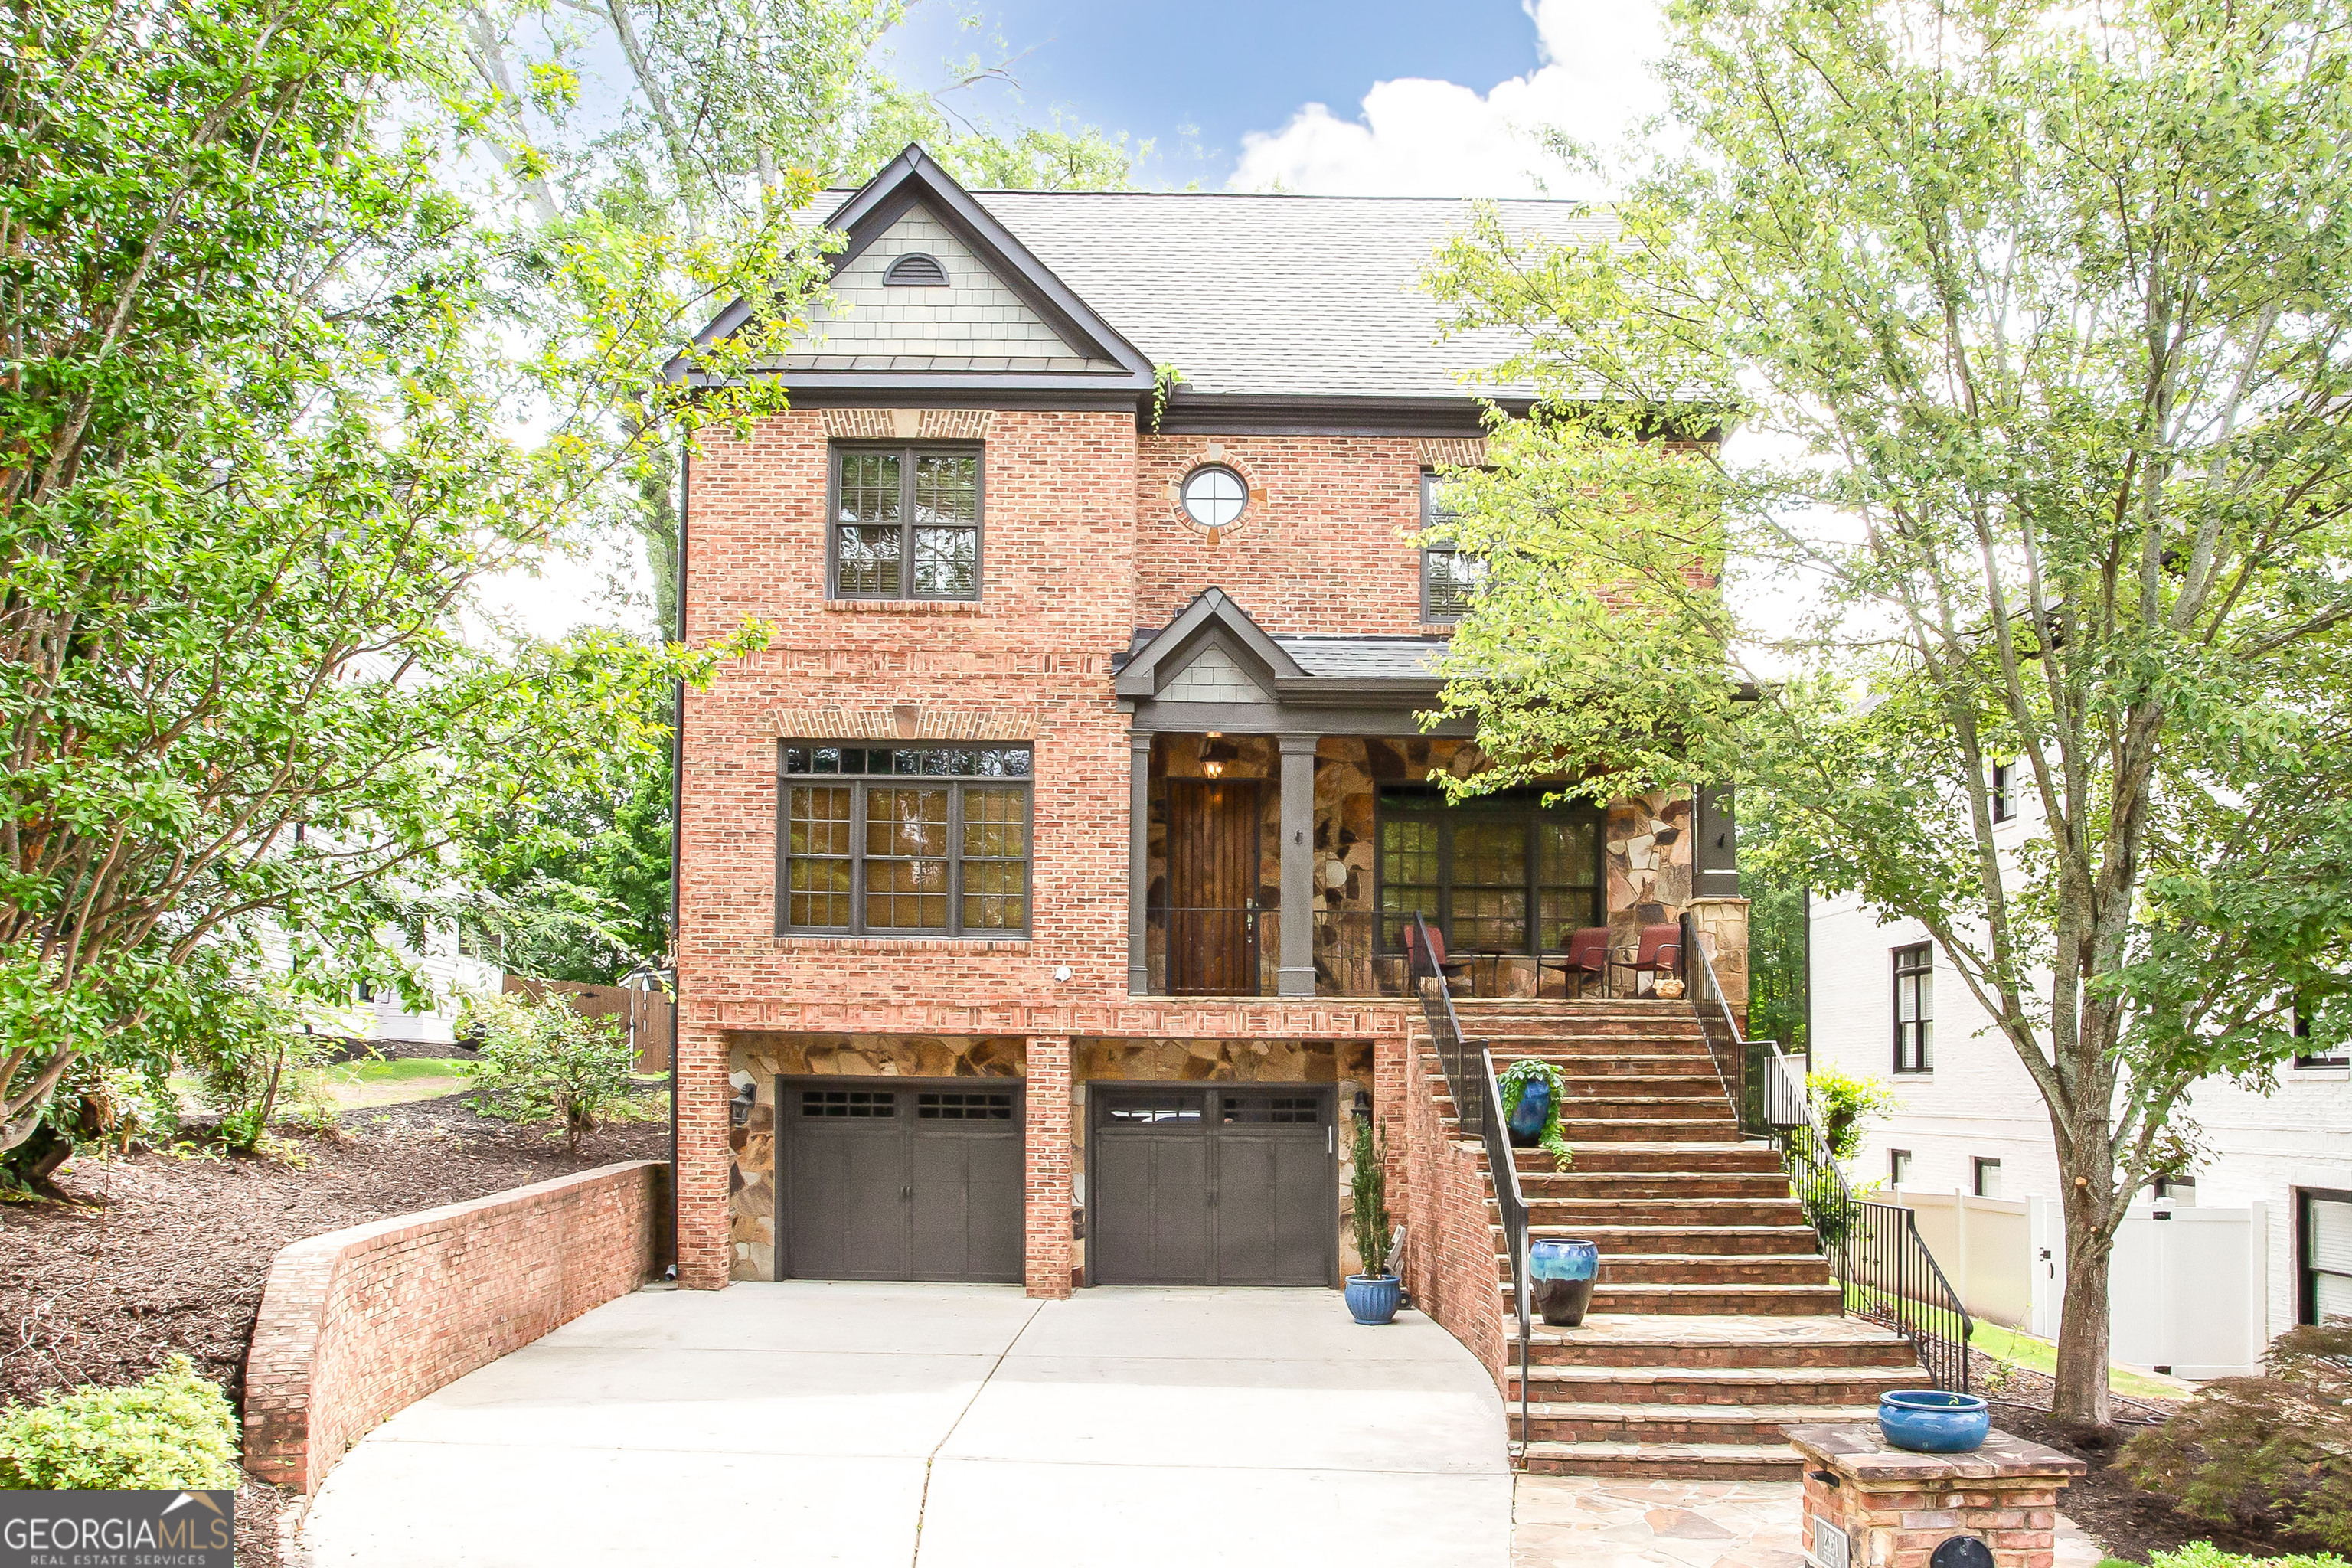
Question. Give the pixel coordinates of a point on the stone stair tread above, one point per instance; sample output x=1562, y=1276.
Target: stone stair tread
x=1718, y=1415
x=1691, y=1230
x=1743, y=1376
x=1695, y=1455
x=1705, y=1331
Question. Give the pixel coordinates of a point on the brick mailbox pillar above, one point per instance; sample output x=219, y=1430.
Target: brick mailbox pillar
x=1871, y=1505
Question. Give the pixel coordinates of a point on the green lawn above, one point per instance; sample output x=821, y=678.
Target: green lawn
x=2008, y=1345
x=2039, y=1355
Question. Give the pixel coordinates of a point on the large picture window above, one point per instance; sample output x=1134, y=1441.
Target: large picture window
x=1498, y=875
x=1450, y=578
x=1914, y=1008
x=906, y=523
x=902, y=840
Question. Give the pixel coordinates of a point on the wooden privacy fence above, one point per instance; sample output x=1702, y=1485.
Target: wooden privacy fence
x=649, y=1017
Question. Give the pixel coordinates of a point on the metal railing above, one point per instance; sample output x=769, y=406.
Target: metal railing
x=1882, y=1264
x=1236, y=951
x=1469, y=1069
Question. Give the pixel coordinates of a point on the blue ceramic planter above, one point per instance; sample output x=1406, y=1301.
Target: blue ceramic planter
x=1926, y=1421
x=1372, y=1298
x=1559, y=1278
x=1526, y=1122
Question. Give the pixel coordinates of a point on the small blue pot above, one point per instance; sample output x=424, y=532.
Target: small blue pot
x=1929, y=1421
x=1528, y=1117
x=1559, y=1280
x=1372, y=1298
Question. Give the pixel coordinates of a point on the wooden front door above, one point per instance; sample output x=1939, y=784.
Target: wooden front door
x=1212, y=866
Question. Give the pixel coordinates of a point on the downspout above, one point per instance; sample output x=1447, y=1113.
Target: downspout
x=677, y=846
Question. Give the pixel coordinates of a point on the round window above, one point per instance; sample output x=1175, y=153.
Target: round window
x=1213, y=496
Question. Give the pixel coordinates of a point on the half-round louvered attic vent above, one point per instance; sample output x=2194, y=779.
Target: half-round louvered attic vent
x=915, y=271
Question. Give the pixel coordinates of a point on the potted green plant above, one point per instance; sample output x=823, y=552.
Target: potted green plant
x=1373, y=1296
x=1533, y=1091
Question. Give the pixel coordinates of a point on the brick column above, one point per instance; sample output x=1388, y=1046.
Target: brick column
x=705, y=1248
x=1046, y=1248
x=1892, y=1508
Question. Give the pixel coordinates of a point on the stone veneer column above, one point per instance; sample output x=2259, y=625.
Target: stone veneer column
x=1046, y=1179
x=1138, y=863
x=1895, y=1508
x=1295, y=977
x=706, y=1246
x=1723, y=929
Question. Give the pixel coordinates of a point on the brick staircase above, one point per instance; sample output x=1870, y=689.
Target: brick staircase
x=1714, y=1321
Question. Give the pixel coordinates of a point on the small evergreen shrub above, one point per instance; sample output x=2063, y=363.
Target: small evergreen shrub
x=543, y=1062
x=173, y=1431
x=1368, y=1191
x=2274, y=1449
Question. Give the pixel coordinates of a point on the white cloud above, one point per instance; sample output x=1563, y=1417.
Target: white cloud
x=1419, y=137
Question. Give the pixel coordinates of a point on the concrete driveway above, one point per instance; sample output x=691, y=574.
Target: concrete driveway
x=945, y=1426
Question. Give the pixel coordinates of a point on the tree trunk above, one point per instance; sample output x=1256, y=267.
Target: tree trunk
x=2081, y=1397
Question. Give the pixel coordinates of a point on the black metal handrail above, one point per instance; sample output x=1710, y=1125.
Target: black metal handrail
x=1885, y=1272
x=1479, y=1101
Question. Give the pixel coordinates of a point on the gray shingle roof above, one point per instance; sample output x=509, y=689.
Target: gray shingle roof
x=1275, y=294
x=1365, y=657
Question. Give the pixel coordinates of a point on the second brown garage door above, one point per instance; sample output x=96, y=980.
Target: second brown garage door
x=899, y=1179
x=1211, y=1184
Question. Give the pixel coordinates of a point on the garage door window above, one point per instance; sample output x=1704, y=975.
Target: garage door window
x=903, y=840
x=848, y=1102
x=963, y=1107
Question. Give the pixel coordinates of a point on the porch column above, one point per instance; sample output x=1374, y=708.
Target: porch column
x=1139, y=860
x=1295, y=977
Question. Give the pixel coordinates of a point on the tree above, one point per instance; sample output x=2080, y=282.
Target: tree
x=2039, y=317
x=262, y=367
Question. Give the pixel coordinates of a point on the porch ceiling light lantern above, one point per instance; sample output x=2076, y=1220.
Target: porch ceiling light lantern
x=1215, y=752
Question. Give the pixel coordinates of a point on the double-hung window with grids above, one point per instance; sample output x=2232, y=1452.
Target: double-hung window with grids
x=1450, y=578
x=903, y=841
x=1914, y=1008
x=906, y=523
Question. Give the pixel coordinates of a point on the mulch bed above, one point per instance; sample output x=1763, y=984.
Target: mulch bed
x=2125, y=1522
x=159, y=1253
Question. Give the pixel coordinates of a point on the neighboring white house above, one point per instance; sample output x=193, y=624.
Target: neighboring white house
x=453, y=976
x=2271, y=1244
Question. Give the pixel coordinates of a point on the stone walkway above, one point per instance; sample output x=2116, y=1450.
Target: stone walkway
x=1577, y=1522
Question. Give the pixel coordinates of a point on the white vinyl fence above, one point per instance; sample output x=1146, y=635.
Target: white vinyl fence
x=2186, y=1287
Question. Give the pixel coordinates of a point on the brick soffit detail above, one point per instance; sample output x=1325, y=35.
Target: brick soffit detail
x=906, y=424
x=1451, y=452
x=904, y=724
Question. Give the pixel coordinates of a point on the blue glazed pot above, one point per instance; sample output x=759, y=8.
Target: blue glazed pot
x=1929, y=1421
x=1559, y=1280
x=1372, y=1298
x=1526, y=1119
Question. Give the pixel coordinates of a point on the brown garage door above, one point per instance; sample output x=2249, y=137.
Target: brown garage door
x=1211, y=1184
x=899, y=1179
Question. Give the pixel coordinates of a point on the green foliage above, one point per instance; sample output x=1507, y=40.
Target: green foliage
x=2030, y=322
x=1843, y=1103
x=2205, y=1554
x=543, y=1063
x=261, y=412
x=1368, y=1190
x=254, y=1086
x=1514, y=1079
x=2274, y=1449
x=173, y=1431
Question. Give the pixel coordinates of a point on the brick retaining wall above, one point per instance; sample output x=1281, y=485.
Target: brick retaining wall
x=1451, y=1266
x=357, y=1324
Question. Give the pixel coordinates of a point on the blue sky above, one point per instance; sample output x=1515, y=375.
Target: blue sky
x=1222, y=68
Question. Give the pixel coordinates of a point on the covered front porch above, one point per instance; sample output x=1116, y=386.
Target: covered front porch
x=1288, y=821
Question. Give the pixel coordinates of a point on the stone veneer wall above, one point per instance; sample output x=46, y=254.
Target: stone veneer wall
x=1646, y=849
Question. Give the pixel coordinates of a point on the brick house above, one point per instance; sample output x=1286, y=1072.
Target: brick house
x=1042, y=886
